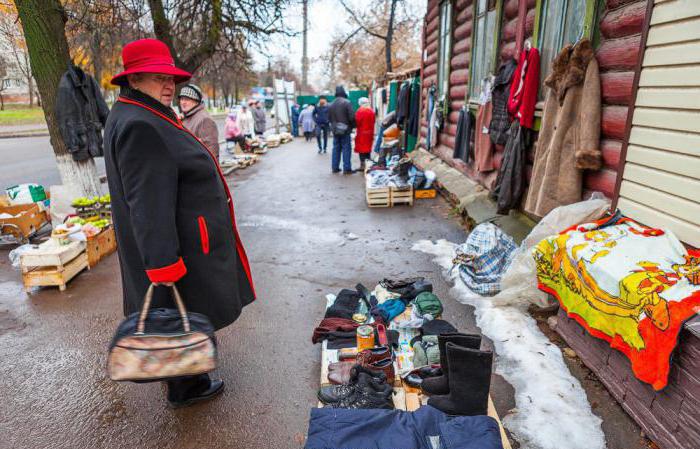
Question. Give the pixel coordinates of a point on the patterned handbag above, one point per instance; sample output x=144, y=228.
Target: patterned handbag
x=161, y=343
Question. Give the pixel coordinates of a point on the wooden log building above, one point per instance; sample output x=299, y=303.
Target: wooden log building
x=649, y=57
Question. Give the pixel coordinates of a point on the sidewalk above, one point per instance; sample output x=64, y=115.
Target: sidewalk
x=32, y=130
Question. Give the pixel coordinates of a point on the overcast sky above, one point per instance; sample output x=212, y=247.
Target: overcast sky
x=325, y=18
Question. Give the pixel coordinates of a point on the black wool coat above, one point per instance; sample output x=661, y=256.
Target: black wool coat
x=173, y=213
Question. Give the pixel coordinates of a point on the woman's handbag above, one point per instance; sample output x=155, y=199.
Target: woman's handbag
x=162, y=343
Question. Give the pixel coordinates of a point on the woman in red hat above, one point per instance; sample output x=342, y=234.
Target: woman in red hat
x=171, y=207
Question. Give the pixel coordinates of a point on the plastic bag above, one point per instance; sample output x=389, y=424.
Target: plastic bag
x=15, y=253
x=519, y=282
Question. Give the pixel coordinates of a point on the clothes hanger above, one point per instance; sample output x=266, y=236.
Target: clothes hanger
x=528, y=45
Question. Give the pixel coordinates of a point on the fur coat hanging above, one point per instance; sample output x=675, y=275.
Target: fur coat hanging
x=569, y=138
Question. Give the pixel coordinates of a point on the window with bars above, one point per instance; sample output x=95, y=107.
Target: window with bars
x=483, y=44
x=444, y=48
x=560, y=22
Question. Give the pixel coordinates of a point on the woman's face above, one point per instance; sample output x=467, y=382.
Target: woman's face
x=159, y=86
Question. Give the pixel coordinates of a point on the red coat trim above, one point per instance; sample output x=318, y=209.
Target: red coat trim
x=239, y=245
x=171, y=273
x=523, y=89
x=203, y=234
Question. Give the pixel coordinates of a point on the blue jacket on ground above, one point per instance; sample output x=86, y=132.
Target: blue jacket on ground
x=426, y=428
x=321, y=115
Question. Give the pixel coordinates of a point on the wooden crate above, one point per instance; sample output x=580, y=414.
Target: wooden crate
x=101, y=246
x=26, y=220
x=50, y=255
x=402, y=196
x=60, y=275
x=378, y=197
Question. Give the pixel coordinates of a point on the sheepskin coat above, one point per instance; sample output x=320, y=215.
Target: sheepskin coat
x=569, y=137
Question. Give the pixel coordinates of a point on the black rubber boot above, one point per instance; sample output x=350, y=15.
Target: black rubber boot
x=470, y=381
x=440, y=384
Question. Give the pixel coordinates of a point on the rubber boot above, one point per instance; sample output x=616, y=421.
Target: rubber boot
x=470, y=381
x=440, y=384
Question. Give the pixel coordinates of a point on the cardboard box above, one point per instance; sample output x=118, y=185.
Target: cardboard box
x=25, y=221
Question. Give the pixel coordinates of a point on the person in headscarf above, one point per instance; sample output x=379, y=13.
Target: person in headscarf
x=232, y=131
x=364, y=118
x=306, y=121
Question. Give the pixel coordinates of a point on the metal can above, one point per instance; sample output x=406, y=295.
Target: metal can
x=365, y=337
x=359, y=317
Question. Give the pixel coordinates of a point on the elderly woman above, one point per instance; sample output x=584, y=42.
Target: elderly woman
x=171, y=207
x=364, y=118
x=307, y=123
x=232, y=131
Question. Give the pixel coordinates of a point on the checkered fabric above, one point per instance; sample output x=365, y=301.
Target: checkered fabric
x=193, y=92
x=483, y=258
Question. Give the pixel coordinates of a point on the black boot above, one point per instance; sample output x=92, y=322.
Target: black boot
x=470, y=380
x=440, y=385
x=188, y=390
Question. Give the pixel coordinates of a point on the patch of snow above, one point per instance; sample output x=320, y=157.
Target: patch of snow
x=552, y=408
x=305, y=230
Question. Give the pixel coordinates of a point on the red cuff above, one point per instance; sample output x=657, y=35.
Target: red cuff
x=171, y=273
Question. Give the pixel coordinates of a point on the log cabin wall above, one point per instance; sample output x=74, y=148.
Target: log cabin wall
x=619, y=26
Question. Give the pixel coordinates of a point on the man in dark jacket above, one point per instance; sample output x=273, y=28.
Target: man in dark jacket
x=322, y=127
x=296, y=110
x=342, y=119
x=81, y=113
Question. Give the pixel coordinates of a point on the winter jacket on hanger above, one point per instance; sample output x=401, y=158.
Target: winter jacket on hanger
x=500, y=120
x=402, y=103
x=523, y=89
x=464, y=138
x=569, y=139
x=81, y=113
x=510, y=183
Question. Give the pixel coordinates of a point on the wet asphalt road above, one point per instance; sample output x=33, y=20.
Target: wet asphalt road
x=294, y=217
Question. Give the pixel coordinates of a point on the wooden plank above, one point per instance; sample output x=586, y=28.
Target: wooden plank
x=681, y=186
x=672, y=11
x=674, y=97
x=670, y=76
x=661, y=201
x=493, y=414
x=681, y=142
x=686, y=232
x=623, y=21
x=665, y=160
x=686, y=53
x=686, y=30
x=669, y=119
x=50, y=254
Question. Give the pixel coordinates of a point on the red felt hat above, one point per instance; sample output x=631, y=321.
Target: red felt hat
x=148, y=56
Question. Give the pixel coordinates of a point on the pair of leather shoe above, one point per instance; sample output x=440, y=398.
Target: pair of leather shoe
x=416, y=377
x=375, y=360
x=364, y=392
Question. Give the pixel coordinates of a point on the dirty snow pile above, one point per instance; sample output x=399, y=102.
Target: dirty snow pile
x=552, y=409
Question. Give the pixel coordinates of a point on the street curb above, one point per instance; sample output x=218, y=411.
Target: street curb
x=470, y=198
x=31, y=133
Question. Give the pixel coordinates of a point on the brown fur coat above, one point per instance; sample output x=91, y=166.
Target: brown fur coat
x=569, y=137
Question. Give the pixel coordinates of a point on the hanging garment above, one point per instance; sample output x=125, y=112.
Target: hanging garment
x=629, y=285
x=483, y=147
x=81, y=113
x=523, y=89
x=510, y=183
x=413, y=127
x=500, y=120
x=402, y=104
x=429, y=118
x=464, y=137
x=568, y=142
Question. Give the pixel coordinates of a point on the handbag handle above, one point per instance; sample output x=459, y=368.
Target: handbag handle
x=141, y=326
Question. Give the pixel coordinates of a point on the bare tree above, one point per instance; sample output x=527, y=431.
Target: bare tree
x=3, y=74
x=12, y=35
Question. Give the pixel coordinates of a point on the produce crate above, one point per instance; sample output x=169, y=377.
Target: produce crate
x=378, y=197
x=425, y=193
x=402, y=195
x=51, y=265
x=101, y=246
x=26, y=220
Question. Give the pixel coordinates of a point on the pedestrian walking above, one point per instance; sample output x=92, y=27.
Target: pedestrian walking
x=342, y=120
x=322, y=124
x=364, y=118
x=197, y=119
x=306, y=121
x=260, y=119
x=172, y=210
x=232, y=131
x=246, y=121
x=296, y=110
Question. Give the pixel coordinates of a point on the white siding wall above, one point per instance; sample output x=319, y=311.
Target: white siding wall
x=661, y=179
